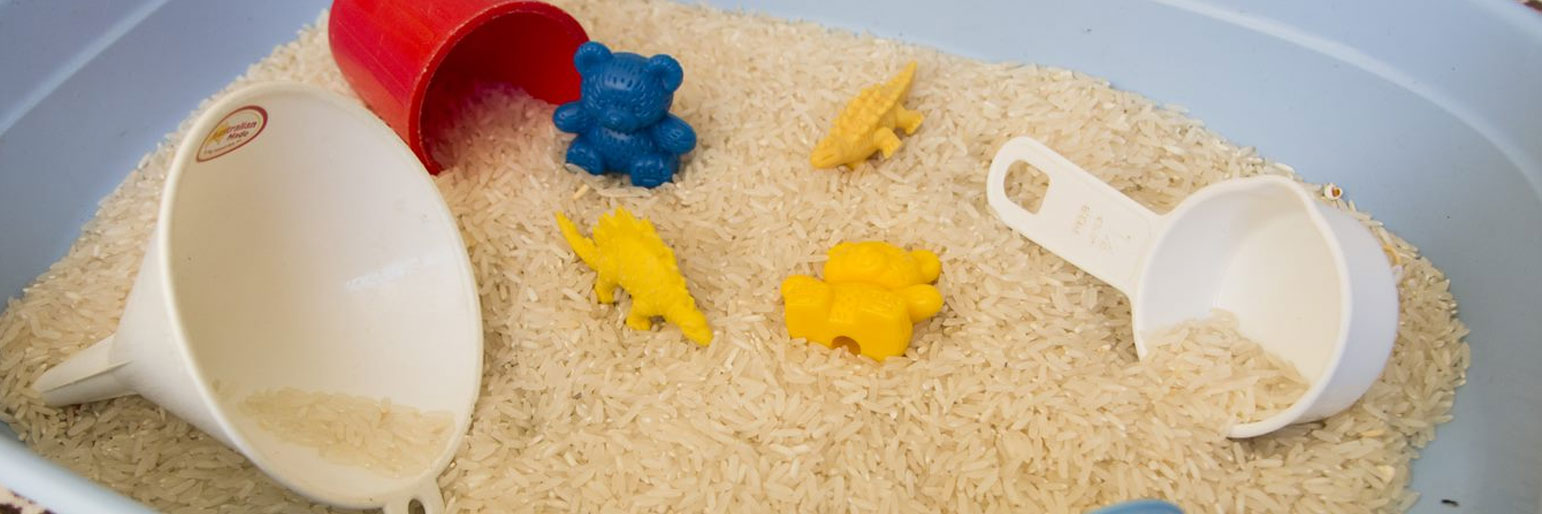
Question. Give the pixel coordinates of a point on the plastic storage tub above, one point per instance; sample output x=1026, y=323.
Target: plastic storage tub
x=1428, y=113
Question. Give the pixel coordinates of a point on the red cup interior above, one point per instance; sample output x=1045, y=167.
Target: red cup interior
x=525, y=44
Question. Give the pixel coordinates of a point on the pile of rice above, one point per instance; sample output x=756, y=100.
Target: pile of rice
x=1224, y=367
x=1023, y=395
x=393, y=440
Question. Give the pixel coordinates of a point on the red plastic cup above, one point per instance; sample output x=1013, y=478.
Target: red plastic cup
x=408, y=59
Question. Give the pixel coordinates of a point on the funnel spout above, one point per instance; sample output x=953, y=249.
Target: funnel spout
x=86, y=376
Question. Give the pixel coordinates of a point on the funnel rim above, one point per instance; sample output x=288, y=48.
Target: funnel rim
x=182, y=159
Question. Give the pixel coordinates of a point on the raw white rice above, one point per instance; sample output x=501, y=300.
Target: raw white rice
x=390, y=439
x=1224, y=367
x=1023, y=395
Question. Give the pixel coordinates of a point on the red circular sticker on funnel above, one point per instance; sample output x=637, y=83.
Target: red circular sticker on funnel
x=233, y=131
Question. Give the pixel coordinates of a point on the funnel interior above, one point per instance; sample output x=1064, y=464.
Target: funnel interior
x=318, y=256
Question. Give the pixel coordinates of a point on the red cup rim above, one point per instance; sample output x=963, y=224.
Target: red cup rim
x=448, y=44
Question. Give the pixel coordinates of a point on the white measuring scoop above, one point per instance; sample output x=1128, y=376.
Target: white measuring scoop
x=300, y=245
x=1307, y=282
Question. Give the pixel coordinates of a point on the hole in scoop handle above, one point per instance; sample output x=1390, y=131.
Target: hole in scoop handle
x=427, y=497
x=1082, y=219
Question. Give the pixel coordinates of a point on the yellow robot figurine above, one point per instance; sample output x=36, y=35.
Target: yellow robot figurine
x=872, y=295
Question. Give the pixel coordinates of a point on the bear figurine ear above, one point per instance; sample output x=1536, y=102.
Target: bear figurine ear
x=667, y=71
x=589, y=55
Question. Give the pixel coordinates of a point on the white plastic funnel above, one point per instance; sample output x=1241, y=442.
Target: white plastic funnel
x=300, y=245
x=1307, y=282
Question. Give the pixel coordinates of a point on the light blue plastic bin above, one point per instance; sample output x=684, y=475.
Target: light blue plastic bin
x=1428, y=113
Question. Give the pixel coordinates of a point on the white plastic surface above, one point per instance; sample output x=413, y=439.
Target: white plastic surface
x=301, y=245
x=1425, y=113
x=1319, y=295
x=1082, y=219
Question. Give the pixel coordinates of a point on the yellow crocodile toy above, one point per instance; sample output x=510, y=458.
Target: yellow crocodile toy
x=872, y=295
x=627, y=252
x=867, y=124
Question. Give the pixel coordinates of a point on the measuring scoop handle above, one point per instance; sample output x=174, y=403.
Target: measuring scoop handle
x=1082, y=219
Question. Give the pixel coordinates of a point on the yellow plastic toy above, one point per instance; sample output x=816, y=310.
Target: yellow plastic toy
x=868, y=122
x=872, y=295
x=627, y=252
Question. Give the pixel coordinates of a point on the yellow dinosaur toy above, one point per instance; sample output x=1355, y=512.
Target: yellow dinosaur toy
x=872, y=294
x=868, y=122
x=627, y=252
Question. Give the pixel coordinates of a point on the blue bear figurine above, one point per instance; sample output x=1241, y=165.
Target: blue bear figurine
x=622, y=116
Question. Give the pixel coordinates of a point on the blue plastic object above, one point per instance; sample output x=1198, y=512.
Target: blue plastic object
x=622, y=118
x=1427, y=116
x=1140, y=507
